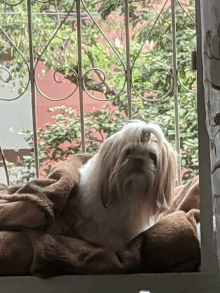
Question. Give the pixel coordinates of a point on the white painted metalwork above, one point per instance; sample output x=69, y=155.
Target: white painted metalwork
x=175, y=89
x=80, y=76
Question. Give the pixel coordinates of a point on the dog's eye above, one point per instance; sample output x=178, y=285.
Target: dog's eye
x=145, y=136
x=153, y=157
x=128, y=152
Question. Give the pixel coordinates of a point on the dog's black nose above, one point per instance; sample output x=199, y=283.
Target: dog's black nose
x=138, y=160
x=138, y=163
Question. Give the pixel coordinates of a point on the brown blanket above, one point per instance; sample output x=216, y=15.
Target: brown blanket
x=28, y=247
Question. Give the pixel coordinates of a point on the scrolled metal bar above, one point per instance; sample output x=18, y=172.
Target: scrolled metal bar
x=10, y=4
x=158, y=16
x=39, y=57
x=80, y=76
x=128, y=61
x=180, y=82
x=193, y=20
x=58, y=70
x=33, y=90
x=101, y=31
x=9, y=74
x=102, y=74
x=28, y=68
x=100, y=83
x=113, y=49
x=43, y=1
x=135, y=59
x=175, y=90
x=154, y=82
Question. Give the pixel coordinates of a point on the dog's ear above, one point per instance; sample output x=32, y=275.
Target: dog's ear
x=109, y=185
x=164, y=183
x=101, y=182
x=106, y=199
x=106, y=196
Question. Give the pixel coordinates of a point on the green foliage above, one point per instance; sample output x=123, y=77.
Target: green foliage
x=151, y=75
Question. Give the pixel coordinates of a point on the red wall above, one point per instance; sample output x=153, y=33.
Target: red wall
x=59, y=90
x=56, y=91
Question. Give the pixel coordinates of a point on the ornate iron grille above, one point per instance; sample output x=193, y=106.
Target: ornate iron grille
x=78, y=12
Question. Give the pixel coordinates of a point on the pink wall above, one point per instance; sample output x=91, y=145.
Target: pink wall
x=59, y=90
x=55, y=91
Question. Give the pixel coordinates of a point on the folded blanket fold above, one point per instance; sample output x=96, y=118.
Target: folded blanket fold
x=171, y=245
x=52, y=193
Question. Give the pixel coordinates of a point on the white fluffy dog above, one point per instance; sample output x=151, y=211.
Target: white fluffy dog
x=125, y=185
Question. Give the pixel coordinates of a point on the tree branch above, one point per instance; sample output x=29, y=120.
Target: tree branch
x=91, y=84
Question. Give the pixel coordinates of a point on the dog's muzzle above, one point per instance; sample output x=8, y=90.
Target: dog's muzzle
x=139, y=156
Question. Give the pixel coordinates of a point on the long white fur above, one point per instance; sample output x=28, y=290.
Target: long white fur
x=121, y=189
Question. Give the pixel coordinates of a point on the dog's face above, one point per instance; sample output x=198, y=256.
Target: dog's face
x=134, y=170
x=136, y=162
